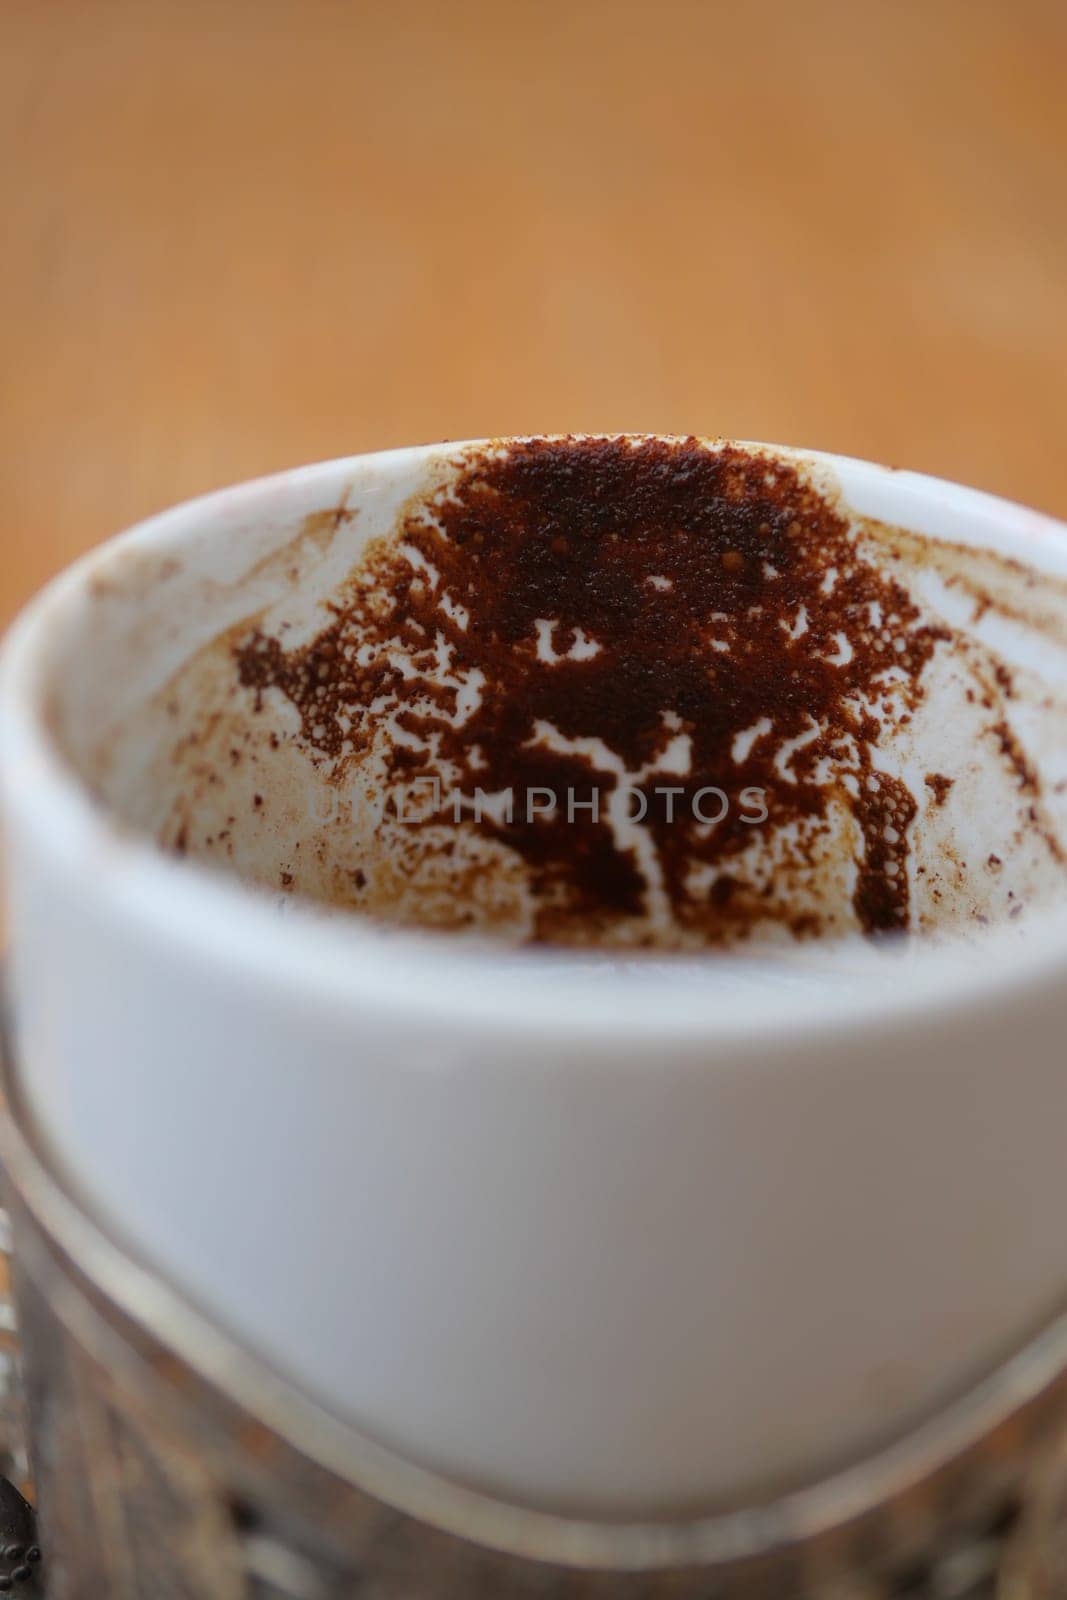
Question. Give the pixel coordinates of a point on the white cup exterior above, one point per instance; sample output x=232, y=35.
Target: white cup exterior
x=623, y=1247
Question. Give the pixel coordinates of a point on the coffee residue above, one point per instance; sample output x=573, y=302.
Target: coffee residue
x=581, y=613
x=939, y=785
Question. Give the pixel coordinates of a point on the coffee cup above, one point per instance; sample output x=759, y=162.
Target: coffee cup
x=558, y=945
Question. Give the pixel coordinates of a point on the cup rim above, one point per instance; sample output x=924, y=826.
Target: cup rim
x=344, y=960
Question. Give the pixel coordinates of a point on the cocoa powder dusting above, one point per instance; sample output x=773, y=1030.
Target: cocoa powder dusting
x=684, y=618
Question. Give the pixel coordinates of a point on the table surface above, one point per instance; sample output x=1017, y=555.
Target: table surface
x=239, y=236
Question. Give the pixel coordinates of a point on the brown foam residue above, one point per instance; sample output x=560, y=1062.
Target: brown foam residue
x=573, y=615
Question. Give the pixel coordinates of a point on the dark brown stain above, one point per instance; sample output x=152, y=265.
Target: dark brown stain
x=721, y=591
x=992, y=581
x=939, y=785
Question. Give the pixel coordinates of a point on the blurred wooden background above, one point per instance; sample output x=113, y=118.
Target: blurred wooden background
x=238, y=234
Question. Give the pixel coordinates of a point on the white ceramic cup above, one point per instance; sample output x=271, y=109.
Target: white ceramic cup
x=611, y=1239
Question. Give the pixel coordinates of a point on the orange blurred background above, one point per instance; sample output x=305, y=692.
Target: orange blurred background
x=241, y=235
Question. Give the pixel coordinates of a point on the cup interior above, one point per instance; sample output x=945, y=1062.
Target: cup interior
x=609, y=692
